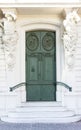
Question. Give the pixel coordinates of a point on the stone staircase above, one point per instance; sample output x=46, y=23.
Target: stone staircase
x=41, y=112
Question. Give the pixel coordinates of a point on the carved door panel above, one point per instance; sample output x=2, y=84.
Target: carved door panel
x=40, y=66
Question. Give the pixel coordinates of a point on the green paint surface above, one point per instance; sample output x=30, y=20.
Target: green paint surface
x=40, y=66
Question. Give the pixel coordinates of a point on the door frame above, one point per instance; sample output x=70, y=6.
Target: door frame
x=30, y=25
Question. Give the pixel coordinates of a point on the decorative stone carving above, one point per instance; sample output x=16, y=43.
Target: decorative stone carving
x=47, y=42
x=70, y=41
x=10, y=16
x=70, y=38
x=32, y=42
x=1, y=34
x=10, y=38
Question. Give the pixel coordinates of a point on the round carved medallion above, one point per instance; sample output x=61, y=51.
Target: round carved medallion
x=32, y=42
x=48, y=42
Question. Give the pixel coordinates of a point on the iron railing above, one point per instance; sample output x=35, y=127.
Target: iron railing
x=17, y=86
x=65, y=85
x=55, y=83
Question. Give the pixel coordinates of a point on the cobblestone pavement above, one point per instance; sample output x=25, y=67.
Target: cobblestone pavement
x=40, y=126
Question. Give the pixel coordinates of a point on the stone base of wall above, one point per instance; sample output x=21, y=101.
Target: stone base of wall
x=72, y=100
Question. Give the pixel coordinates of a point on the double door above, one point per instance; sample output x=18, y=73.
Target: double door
x=40, y=66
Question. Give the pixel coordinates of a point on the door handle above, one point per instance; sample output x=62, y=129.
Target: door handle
x=39, y=76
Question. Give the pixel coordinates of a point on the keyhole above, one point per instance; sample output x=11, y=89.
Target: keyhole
x=32, y=70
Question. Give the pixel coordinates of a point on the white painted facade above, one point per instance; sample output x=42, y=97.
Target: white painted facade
x=29, y=19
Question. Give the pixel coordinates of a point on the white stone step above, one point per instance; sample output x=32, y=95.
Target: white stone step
x=41, y=120
x=40, y=108
x=43, y=103
x=41, y=114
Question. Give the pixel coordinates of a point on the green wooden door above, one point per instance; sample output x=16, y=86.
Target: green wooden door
x=40, y=66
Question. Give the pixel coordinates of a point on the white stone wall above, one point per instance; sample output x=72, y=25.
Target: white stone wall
x=7, y=100
x=72, y=100
x=2, y=71
x=78, y=60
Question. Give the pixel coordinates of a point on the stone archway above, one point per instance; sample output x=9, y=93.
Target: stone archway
x=37, y=25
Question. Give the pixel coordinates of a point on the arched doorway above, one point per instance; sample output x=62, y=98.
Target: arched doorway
x=30, y=26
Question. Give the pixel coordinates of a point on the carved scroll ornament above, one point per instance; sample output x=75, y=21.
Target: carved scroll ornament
x=70, y=38
x=9, y=39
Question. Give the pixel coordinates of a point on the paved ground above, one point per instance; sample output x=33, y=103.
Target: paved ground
x=12, y=126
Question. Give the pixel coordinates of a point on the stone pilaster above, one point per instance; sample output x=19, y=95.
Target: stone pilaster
x=70, y=40
x=10, y=37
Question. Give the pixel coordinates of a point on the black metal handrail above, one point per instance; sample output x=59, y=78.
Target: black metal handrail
x=55, y=83
x=17, y=86
x=65, y=85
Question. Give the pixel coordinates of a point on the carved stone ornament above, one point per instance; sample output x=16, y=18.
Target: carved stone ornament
x=10, y=16
x=9, y=39
x=70, y=38
x=47, y=42
x=32, y=42
x=1, y=34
